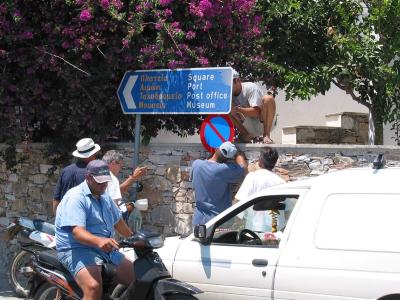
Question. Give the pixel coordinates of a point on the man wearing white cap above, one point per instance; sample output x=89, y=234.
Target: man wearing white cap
x=74, y=174
x=212, y=179
x=85, y=223
x=252, y=112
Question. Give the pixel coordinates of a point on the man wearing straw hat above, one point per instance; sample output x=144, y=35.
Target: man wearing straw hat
x=74, y=174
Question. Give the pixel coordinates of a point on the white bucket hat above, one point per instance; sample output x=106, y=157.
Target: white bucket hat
x=85, y=148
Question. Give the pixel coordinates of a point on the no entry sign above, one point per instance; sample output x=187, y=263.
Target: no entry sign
x=215, y=130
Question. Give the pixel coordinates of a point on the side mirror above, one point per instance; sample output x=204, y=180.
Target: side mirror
x=200, y=232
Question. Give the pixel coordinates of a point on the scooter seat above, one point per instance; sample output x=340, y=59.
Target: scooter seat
x=49, y=257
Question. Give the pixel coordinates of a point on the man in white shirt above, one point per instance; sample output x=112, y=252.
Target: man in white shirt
x=115, y=162
x=257, y=181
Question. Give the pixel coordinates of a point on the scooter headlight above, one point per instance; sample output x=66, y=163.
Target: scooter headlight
x=156, y=241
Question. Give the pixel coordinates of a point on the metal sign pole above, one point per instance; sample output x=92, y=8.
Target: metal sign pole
x=138, y=120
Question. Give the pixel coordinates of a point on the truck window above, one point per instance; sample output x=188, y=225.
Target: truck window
x=359, y=222
x=260, y=222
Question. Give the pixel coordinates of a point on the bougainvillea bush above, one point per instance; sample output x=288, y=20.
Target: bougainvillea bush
x=62, y=60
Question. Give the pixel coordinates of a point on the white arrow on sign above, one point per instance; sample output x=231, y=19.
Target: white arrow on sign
x=127, y=92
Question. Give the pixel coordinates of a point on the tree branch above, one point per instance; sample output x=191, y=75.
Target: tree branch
x=351, y=93
x=64, y=60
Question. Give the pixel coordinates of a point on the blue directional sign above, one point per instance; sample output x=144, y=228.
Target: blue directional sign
x=180, y=91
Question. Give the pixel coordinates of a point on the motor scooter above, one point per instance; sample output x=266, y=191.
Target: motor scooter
x=152, y=279
x=33, y=234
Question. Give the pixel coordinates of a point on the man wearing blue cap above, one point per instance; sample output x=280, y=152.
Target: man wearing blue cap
x=212, y=179
x=85, y=222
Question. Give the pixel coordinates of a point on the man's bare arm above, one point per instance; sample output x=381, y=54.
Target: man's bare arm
x=136, y=175
x=123, y=229
x=86, y=238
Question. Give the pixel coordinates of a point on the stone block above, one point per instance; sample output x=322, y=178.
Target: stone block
x=13, y=177
x=183, y=224
x=10, y=197
x=182, y=207
x=186, y=185
x=160, y=171
x=173, y=174
x=46, y=169
x=348, y=122
x=39, y=179
x=164, y=159
x=35, y=192
x=162, y=215
x=4, y=221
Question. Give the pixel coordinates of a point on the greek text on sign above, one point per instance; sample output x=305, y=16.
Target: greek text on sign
x=180, y=91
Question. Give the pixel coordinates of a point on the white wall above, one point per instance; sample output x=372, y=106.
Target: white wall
x=295, y=113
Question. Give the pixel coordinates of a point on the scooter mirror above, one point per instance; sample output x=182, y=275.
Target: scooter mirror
x=141, y=204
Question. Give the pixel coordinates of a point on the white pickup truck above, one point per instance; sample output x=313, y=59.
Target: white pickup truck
x=339, y=239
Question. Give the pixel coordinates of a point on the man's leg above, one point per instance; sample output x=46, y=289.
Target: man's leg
x=89, y=280
x=243, y=133
x=268, y=111
x=125, y=274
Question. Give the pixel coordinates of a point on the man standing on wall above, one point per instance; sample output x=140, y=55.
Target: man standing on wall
x=74, y=174
x=252, y=112
x=212, y=179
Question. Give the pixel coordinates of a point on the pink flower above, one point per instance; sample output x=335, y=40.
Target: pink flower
x=190, y=35
x=159, y=26
x=203, y=61
x=86, y=56
x=172, y=64
x=125, y=43
x=30, y=71
x=117, y=4
x=65, y=45
x=165, y=2
x=104, y=3
x=167, y=12
x=27, y=35
x=85, y=15
x=207, y=26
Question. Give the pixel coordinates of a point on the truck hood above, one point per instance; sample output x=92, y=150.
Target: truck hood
x=168, y=251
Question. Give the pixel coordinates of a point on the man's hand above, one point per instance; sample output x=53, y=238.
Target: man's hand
x=107, y=244
x=138, y=173
x=237, y=113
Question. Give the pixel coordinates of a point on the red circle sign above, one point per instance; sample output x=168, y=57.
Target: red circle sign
x=215, y=130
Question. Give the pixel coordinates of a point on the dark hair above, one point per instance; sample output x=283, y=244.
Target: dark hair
x=268, y=158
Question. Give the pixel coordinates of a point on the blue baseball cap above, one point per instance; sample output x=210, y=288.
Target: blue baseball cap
x=99, y=170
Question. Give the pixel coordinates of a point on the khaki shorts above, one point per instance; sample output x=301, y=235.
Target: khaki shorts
x=255, y=127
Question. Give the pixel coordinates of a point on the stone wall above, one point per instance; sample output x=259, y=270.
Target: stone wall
x=28, y=189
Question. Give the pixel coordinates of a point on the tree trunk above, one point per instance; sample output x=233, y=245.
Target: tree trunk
x=378, y=125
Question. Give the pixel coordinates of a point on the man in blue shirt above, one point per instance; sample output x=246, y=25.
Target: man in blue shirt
x=74, y=174
x=212, y=179
x=85, y=222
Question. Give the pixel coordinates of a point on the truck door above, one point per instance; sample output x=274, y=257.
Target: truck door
x=240, y=260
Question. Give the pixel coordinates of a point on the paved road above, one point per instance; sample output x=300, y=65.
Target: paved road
x=5, y=290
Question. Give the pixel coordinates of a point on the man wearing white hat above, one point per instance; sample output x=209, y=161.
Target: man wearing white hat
x=74, y=174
